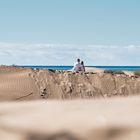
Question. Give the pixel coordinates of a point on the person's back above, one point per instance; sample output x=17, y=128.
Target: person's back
x=77, y=66
x=82, y=67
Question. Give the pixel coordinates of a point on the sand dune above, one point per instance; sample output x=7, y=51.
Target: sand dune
x=17, y=84
x=29, y=84
x=104, y=119
x=108, y=119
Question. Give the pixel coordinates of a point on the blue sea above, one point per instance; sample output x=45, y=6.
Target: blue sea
x=116, y=68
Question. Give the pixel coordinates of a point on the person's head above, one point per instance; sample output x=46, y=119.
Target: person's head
x=82, y=62
x=78, y=60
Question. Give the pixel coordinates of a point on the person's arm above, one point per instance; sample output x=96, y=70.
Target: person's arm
x=84, y=68
x=74, y=67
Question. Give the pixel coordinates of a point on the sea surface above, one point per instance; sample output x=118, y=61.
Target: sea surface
x=116, y=68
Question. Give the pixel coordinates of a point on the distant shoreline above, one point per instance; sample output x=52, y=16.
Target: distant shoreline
x=114, y=68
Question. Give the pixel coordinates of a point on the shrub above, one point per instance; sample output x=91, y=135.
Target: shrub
x=137, y=73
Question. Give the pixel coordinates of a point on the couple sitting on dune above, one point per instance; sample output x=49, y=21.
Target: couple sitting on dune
x=79, y=66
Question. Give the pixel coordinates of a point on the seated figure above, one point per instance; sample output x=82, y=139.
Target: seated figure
x=79, y=66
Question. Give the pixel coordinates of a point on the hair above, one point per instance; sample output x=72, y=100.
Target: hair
x=78, y=60
x=82, y=62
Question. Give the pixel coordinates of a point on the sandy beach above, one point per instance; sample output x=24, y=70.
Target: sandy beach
x=41, y=104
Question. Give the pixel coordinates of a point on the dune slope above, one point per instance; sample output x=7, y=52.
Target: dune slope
x=29, y=84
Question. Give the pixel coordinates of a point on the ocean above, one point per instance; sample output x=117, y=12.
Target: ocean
x=116, y=68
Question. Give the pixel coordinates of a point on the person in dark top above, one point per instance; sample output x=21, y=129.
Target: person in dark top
x=83, y=67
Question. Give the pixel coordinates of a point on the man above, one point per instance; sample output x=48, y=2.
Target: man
x=77, y=66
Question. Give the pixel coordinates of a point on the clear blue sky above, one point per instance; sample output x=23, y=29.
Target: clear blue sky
x=101, y=32
x=115, y=22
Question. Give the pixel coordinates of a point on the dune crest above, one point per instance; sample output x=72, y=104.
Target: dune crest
x=30, y=84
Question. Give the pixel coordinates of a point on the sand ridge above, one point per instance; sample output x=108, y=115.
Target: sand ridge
x=30, y=84
x=17, y=84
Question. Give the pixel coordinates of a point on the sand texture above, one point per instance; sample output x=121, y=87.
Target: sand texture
x=16, y=84
x=29, y=84
x=108, y=119
x=49, y=105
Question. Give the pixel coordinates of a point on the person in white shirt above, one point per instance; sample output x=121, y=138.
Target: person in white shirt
x=77, y=66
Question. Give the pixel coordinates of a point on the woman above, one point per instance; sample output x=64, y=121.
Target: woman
x=82, y=66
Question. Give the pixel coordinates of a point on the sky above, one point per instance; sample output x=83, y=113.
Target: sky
x=56, y=32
